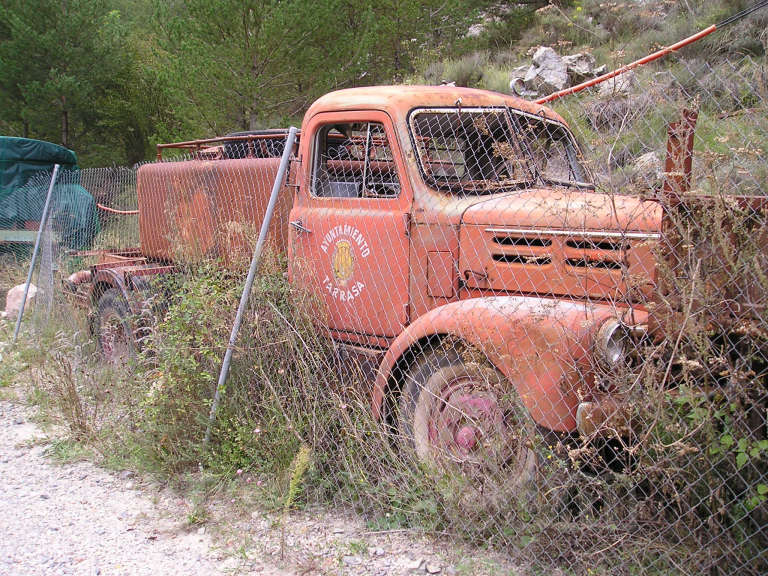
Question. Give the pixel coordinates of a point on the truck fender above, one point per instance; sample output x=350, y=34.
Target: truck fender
x=544, y=347
x=104, y=279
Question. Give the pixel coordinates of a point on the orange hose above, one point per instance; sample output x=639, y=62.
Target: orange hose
x=115, y=211
x=628, y=67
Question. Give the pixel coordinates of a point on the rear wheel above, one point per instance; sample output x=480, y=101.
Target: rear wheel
x=464, y=420
x=112, y=328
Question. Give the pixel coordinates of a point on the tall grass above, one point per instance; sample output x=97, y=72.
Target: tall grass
x=297, y=415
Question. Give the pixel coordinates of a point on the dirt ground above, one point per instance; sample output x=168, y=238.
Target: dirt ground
x=76, y=518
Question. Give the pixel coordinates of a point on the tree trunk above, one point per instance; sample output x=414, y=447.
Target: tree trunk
x=64, y=122
x=253, y=118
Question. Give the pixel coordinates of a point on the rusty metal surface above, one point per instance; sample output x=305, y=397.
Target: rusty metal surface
x=597, y=246
x=345, y=242
x=496, y=260
x=570, y=210
x=606, y=416
x=397, y=101
x=700, y=234
x=207, y=209
x=212, y=148
x=678, y=165
x=574, y=244
x=429, y=239
x=542, y=346
x=103, y=255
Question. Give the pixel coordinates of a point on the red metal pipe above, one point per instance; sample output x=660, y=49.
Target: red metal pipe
x=628, y=67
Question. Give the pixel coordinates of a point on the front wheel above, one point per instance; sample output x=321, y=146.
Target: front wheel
x=464, y=420
x=112, y=328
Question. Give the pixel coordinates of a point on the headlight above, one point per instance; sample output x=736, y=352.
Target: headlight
x=612, y=344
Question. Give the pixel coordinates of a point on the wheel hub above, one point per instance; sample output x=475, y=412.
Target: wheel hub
x=464, y=417
x=471, y=428
x=466, y=438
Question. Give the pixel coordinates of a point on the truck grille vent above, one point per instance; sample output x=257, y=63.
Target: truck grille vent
x=587, y=263
x=522, y=259
x=520, y=241
x=597, y=245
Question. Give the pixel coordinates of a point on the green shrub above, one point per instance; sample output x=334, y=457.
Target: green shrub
x=180, y=363
x=466, y=71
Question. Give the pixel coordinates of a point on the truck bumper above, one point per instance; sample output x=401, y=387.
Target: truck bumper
x=603, y=416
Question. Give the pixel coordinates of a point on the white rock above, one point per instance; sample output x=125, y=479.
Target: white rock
x=519, y=72
x=649, y=169
x=618, y=85
x=580, y=66
x=475, y=30
x=548, y=72
x=351, y=560
x=14, y=298
x=544, y=56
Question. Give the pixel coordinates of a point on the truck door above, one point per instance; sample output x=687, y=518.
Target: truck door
x=349, y=225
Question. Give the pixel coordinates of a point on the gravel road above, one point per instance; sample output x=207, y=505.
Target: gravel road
x=78, y=519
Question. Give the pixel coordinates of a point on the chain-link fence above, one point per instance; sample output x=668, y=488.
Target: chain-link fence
x=467, y=324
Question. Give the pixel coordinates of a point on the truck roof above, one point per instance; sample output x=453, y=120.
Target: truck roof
x=398, y=100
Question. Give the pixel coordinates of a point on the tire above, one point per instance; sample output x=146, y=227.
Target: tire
x=112, y=328
x=462, y=419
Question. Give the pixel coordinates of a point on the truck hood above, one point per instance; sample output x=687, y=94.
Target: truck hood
x=560, y=243
x=573, y=210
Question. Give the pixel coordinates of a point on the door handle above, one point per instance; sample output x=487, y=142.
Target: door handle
x=478, y=277
x=299, y=226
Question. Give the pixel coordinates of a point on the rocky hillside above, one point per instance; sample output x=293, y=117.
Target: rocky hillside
x=623, y=122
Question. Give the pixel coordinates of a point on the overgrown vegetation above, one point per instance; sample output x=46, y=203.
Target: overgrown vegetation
x=111, y=78
x=688, y=493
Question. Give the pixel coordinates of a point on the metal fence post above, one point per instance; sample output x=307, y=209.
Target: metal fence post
x=43, y=221
x=249, y=280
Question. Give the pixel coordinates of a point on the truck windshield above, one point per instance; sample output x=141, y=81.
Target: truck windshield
x=471, y=151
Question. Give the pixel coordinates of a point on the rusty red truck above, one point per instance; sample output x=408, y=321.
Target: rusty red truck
x=454, y=238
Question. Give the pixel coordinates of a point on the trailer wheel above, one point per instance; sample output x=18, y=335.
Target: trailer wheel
x=463, y=419
x=112, y=328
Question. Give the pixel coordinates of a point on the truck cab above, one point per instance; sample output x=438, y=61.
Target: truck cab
x=424, y=214
x=456, y=193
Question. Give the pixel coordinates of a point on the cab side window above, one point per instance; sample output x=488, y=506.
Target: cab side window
x=354, y=160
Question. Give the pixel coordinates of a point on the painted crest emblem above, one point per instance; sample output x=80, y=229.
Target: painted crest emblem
x=343, y=262
x=345, y=244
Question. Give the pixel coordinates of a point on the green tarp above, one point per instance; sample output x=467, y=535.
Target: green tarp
x=25, y=170
x=21, y=159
